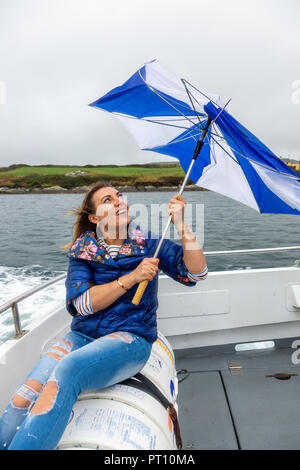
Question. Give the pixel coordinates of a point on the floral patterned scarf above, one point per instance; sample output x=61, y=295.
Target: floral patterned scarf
x=88, y=247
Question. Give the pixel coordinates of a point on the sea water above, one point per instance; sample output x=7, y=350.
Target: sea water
x=34, y=227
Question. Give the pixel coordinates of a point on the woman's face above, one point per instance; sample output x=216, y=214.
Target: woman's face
x=112, y=212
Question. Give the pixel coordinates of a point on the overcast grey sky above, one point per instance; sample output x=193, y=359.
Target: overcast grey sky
x=56, y=56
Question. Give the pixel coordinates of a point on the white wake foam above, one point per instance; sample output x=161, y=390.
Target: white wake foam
x=15, y=281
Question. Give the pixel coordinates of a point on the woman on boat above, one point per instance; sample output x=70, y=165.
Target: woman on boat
x=110, y=338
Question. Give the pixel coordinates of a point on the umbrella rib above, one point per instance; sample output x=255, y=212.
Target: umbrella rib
x=162, y=123
x=191, y=94
x=221, y=111
x=188, y=93
x=164, y=99
x=171, y=120
x=194, y=124
x=213, y=121
x=184, y=138
x=238, y=163
x=210, y=99
x=175, y=119
x=221, y=137
x=213, y=153
x=232, y=158
x=188, y=129
x=156, y=91
x=297, y=178
x=234, y=161
x=175, y=142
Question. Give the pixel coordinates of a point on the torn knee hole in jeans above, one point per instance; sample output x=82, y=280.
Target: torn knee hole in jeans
x=46, y=399
x=59, y=350
x=27, y=394
x=123, y=336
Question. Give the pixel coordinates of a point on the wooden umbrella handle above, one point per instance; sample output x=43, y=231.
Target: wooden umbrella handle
x=139, y=292
x=143, y=284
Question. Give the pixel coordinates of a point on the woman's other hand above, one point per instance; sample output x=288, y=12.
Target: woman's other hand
x=146, y=270
x=176, y=210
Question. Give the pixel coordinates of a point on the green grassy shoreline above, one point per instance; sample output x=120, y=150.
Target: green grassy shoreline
x=55, y=178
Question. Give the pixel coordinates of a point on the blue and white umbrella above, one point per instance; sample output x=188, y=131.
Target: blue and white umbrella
x=170, y=116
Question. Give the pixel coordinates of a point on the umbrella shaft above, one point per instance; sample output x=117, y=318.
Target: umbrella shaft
x=162, y=238
x=200, y=142
x=187, y=176
x=170, y=218
x=198, y=148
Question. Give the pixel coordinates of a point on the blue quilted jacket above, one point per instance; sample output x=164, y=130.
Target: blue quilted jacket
x=90, y=264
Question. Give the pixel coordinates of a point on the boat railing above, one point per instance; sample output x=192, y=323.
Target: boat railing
x=13, y=303
x=258, y=250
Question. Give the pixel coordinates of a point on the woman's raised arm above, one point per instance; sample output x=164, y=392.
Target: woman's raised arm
x=193, y=255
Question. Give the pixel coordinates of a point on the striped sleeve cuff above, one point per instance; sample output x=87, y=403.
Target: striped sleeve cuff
x=83, y=303
x=195, y=277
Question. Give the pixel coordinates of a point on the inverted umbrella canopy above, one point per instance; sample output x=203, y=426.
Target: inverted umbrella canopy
x=168, y=115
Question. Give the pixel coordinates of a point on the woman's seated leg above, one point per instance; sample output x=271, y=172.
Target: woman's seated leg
x=27, y=394
x=101, y=363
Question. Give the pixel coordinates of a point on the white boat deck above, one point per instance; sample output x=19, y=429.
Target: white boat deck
x=225, y=400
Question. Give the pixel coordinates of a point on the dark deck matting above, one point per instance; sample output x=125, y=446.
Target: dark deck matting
x=221, y=410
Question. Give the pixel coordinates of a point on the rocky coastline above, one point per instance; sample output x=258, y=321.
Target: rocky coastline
x=84, y=189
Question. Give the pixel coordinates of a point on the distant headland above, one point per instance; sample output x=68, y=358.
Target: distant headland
x=50, y=179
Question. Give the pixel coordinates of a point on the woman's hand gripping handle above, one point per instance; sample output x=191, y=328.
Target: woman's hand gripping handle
x=176, y=216
x=145, y=272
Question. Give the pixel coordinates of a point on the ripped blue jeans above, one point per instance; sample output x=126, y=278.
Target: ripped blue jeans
x=73, y=364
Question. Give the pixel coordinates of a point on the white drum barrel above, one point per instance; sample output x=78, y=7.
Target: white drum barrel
x=160, y=368
x=125, y=416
